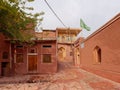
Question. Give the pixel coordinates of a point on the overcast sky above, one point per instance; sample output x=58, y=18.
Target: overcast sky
x=94, y=13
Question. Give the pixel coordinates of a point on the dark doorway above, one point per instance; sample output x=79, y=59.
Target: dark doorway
x=97, y=54
x=5, y=69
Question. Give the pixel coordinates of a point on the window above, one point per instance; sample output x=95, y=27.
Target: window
x=63, y=39
x=47, y=46
x=47, y=58
x=19, y=58
x=82, y=45
x=68, y=38
x=59, y=38
x=19, y=54
x=19, y=46
x=71, y=53
x=32, y=50
x=5, y=55
x=97, y=55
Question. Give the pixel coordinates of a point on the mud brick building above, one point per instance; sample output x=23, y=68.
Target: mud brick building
x=66, y=39
x=17, y=58
x=49, y=47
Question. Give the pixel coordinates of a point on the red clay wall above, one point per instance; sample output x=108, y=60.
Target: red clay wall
x=77, y=51
x=49, y=34
x=4, y=47
x=47, y=67
x=22, y=68
x=109, y=42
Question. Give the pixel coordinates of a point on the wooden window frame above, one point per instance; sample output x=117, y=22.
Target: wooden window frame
x=44, y=57
x=19, y=53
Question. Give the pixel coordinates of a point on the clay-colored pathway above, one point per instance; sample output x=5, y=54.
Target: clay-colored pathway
x=68, y=78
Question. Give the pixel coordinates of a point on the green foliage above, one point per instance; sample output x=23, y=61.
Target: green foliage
x=15, y=22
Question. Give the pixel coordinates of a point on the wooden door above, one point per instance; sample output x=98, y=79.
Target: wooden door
x=32, y=63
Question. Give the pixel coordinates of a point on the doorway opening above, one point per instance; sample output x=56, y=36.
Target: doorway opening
x=97, y=54
x=32, y=60
x=5, y=69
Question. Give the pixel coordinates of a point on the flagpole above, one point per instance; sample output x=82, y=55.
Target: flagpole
x=81, y=35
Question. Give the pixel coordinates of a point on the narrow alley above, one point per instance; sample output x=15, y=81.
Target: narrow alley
x=67, y=78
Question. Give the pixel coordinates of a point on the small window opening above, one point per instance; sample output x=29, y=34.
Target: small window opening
x=19, y=46
x=97, y=55
x=32, y=50
x=47, y=46
x=71, y=53
x=5, y=55
x=19, y=58
x=47, y=58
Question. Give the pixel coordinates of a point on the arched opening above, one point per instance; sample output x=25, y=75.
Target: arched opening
x=97, y=54
x=61, y=54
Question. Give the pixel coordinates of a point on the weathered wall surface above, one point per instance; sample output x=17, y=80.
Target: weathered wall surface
x=22, y=68
x=4, y=47
x=45, y=44
x=108, y=40
x=47, y=67
x=65, y=52
x=77, y=52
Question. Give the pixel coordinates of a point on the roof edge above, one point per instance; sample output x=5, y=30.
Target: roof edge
x=103, y=27
x=60, y=28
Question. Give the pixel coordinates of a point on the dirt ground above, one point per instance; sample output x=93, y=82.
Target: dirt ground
x=67, y=78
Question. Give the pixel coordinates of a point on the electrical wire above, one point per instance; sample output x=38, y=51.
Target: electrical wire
x=55, y=13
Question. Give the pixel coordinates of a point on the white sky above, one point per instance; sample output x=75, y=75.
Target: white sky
x=94, y=13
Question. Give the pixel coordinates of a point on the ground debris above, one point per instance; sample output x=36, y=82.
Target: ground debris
x=40, y=79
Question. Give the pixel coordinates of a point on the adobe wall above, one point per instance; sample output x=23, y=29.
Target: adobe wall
x=22, y=68
x=4, y=47
x=49, y=34
x=77, y=52
x=68, y=55
x=109, y=42
x=47, y=67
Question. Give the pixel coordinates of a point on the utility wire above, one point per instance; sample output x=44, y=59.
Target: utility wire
x=55, y=13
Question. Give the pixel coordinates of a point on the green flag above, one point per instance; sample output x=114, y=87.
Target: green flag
x=84, y=26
